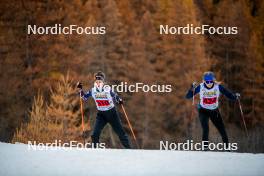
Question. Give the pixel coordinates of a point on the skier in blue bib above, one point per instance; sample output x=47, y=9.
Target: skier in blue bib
x=105, y=99
x=209, y=91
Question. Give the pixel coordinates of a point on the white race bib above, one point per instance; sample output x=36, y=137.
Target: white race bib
x=103, y=100
x=209, y=97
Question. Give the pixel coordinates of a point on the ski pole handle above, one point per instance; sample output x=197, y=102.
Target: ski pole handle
x=79, y=85
x=194, y=85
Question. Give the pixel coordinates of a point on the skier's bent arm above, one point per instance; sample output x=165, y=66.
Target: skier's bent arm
x=115, y=96
x=227, y=93
x=86, y=95
x=192, y=92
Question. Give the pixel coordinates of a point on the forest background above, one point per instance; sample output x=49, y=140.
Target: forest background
x=38, y=73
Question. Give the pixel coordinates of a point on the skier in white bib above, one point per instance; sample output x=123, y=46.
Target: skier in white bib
x=209, y=92
x=105, y=100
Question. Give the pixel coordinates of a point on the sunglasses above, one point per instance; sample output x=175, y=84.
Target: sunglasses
x=98, y=78
x=209, y=82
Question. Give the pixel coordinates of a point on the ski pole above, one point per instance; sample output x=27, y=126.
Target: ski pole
x=192, y=114
x=81, y=103
x=242, y=116
x=193, y=99
x=193, y=103
x=130, y=126
x=194, y=85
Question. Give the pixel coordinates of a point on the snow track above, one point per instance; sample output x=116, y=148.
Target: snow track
x=17, y=160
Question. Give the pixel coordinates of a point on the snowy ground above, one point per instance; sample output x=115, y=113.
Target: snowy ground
x=17, y=160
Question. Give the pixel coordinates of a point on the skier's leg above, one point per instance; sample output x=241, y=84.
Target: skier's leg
x=115, y=122
x=218, y=123
x=203, y=116
x=100, y=122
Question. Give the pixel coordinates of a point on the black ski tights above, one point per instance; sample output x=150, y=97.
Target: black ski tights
x=110, y=116
x=215, y=117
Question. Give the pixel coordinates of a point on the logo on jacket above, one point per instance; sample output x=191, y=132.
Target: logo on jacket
x=209, y=94
x=100, y=95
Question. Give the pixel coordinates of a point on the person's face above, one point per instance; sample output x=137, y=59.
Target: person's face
x=209, y=84
x=99, y=83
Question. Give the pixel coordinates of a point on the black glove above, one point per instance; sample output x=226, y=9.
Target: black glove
x=85, y=134
x=237, y=95
x=79, y=85
x=120, y=101
x=193, y=85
